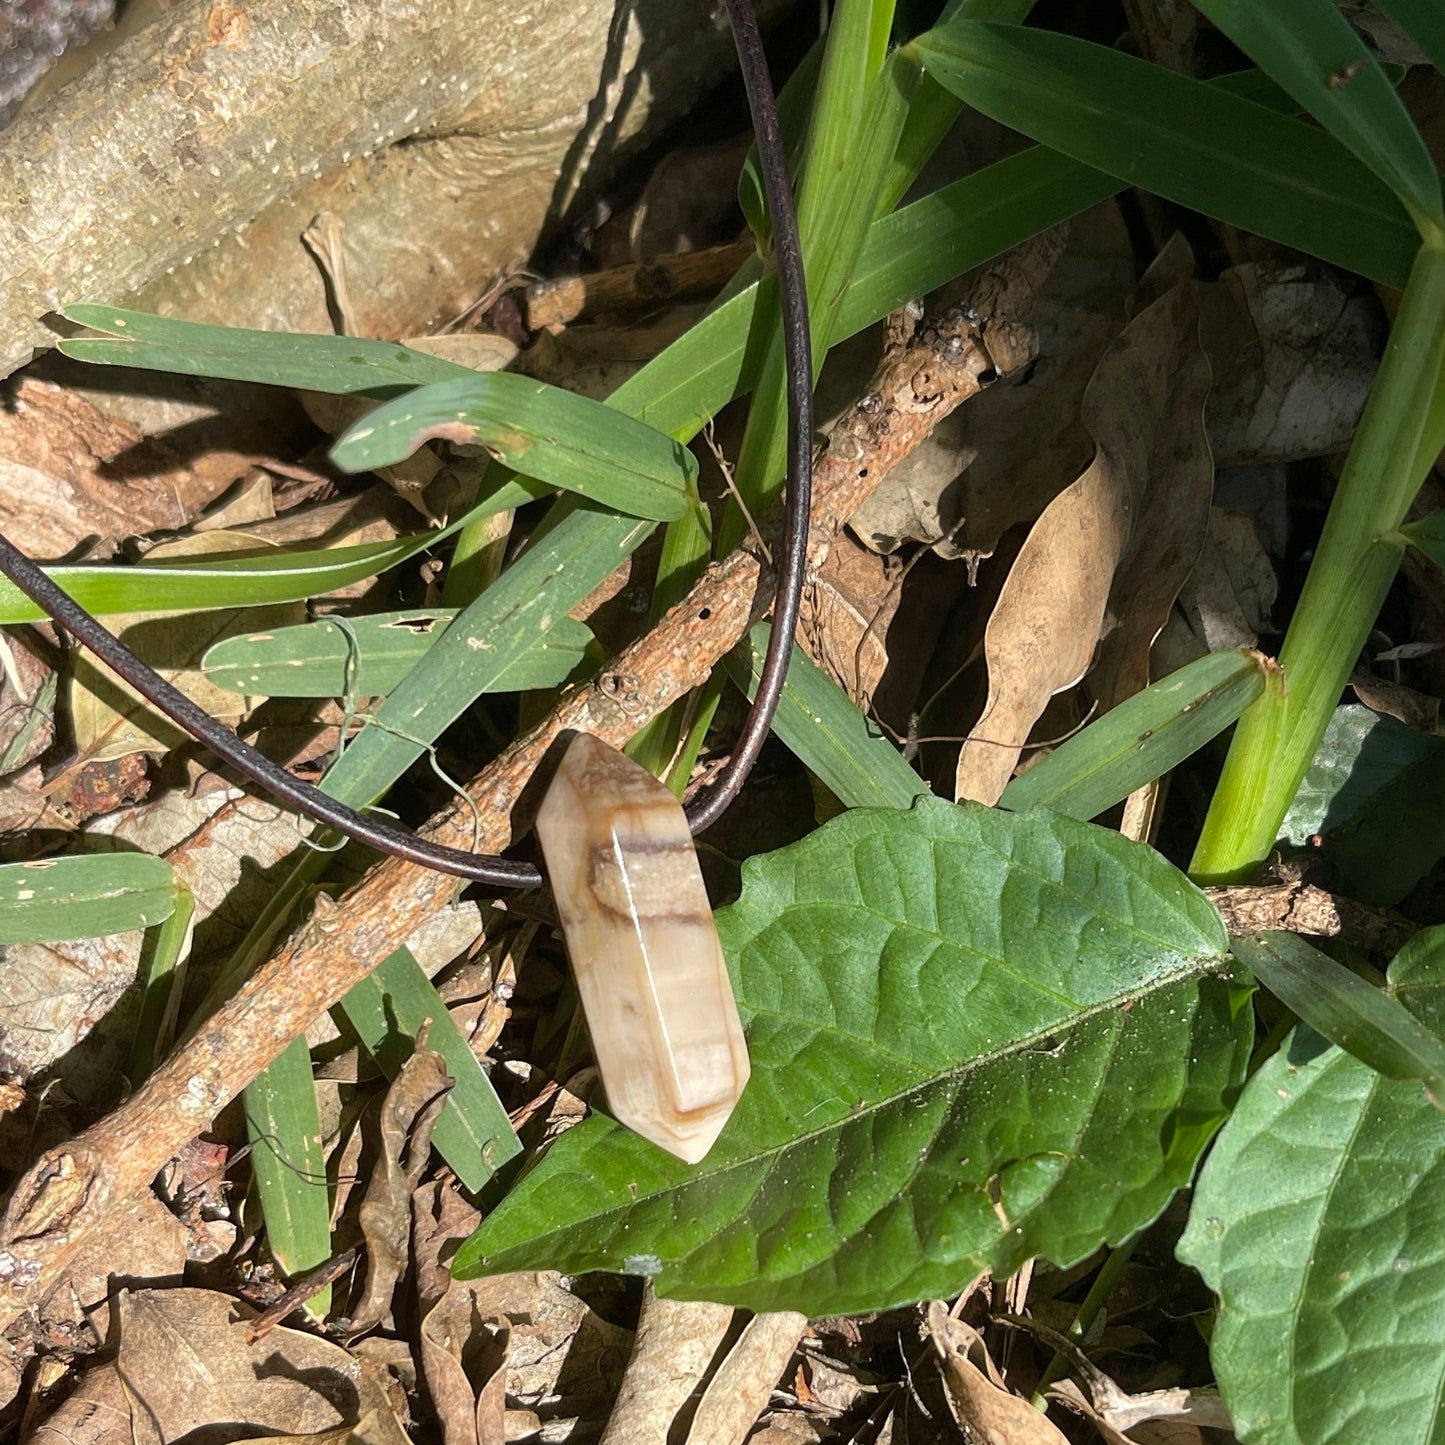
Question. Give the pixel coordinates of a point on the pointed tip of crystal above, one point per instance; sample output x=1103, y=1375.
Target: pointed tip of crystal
x=689, y=1139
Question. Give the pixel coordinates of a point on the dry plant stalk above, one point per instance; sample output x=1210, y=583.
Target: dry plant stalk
x=66, y=1197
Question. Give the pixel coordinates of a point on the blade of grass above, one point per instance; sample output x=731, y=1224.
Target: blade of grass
x=163, y=974
x=84, y=896
x=1352, y=570
x=387, y=1010
x=824, y=729
x=289, y=1167
x=554, y=436
x=1196, y=144
x=858, y=117
x=1363, y=1020
x=369, y=656
x=233, y=581
x=1311, y=50
x=1144, y=737
x=336, y=364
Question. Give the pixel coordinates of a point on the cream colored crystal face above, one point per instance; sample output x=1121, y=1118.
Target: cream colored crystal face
x=649, y=967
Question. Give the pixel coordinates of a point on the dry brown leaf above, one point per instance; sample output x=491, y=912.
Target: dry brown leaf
x=408, y=1114
x=1169, y=521
x=51, y=997
x=27, y=701
x=1416, y=710
x=70, y=474
x=186, y=1366
x=1000, y=460
x=1042, y=635
x=1225, y=601
x=853, y=600
x=1294, y=352
x=739, y=1392
x=1114, y=1411
x=563, y=1360
x=984, y=1408
x=110, y=718
x=675, y=1344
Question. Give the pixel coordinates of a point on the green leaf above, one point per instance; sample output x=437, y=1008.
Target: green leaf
x=826, y=732
x=976, y=1037
x=486, y=643
x=387, y=1010
x=161, y=976
x=1425, y=22
x=1339, y=1005
x=1374, y=797
x=87, y=896
x=565, y=440
x=1428, y=534
x=1319, y=1220
x=1310, y=49
x=288, y=1164
x=368, y=656
x=336, y=364
x=1192, y=143
x=1143, y=738
x=276, y=575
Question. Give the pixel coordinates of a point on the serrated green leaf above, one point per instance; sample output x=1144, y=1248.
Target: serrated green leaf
x=368, y=656
x=336, y=364
x=87, y=896
x=288, y=1164
x=1374, y=797
x=976, y=1037
x=560, y=438
x=1192, y=143
x=1319, y=1220
x=1142, y=738
x=387, y=1010
x=1310, y=50
x=824, y=729
x=1341, y=1006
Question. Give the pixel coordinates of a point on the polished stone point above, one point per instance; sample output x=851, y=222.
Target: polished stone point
x=659, y=1003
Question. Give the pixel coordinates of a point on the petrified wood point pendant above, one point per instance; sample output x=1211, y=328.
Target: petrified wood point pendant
x=649, y=967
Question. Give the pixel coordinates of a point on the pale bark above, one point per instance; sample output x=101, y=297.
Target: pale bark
x=207, y=142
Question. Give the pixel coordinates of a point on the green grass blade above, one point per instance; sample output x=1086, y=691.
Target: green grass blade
x=369, y=656
x=289, y=1166
x=1310, y=49
x=824, y=729
x=838, y=195
x=387, y=1010
x=1428, y=534
x=334, y=364
x=1363, y=1020
x=1144, y=737
x=1192, y=143
x=565, y=440
x=233, y=581
x=162, y=973
x=486, y=642
x=89, y=896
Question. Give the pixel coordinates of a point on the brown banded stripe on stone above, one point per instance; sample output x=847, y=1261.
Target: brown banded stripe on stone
x=645, y=952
